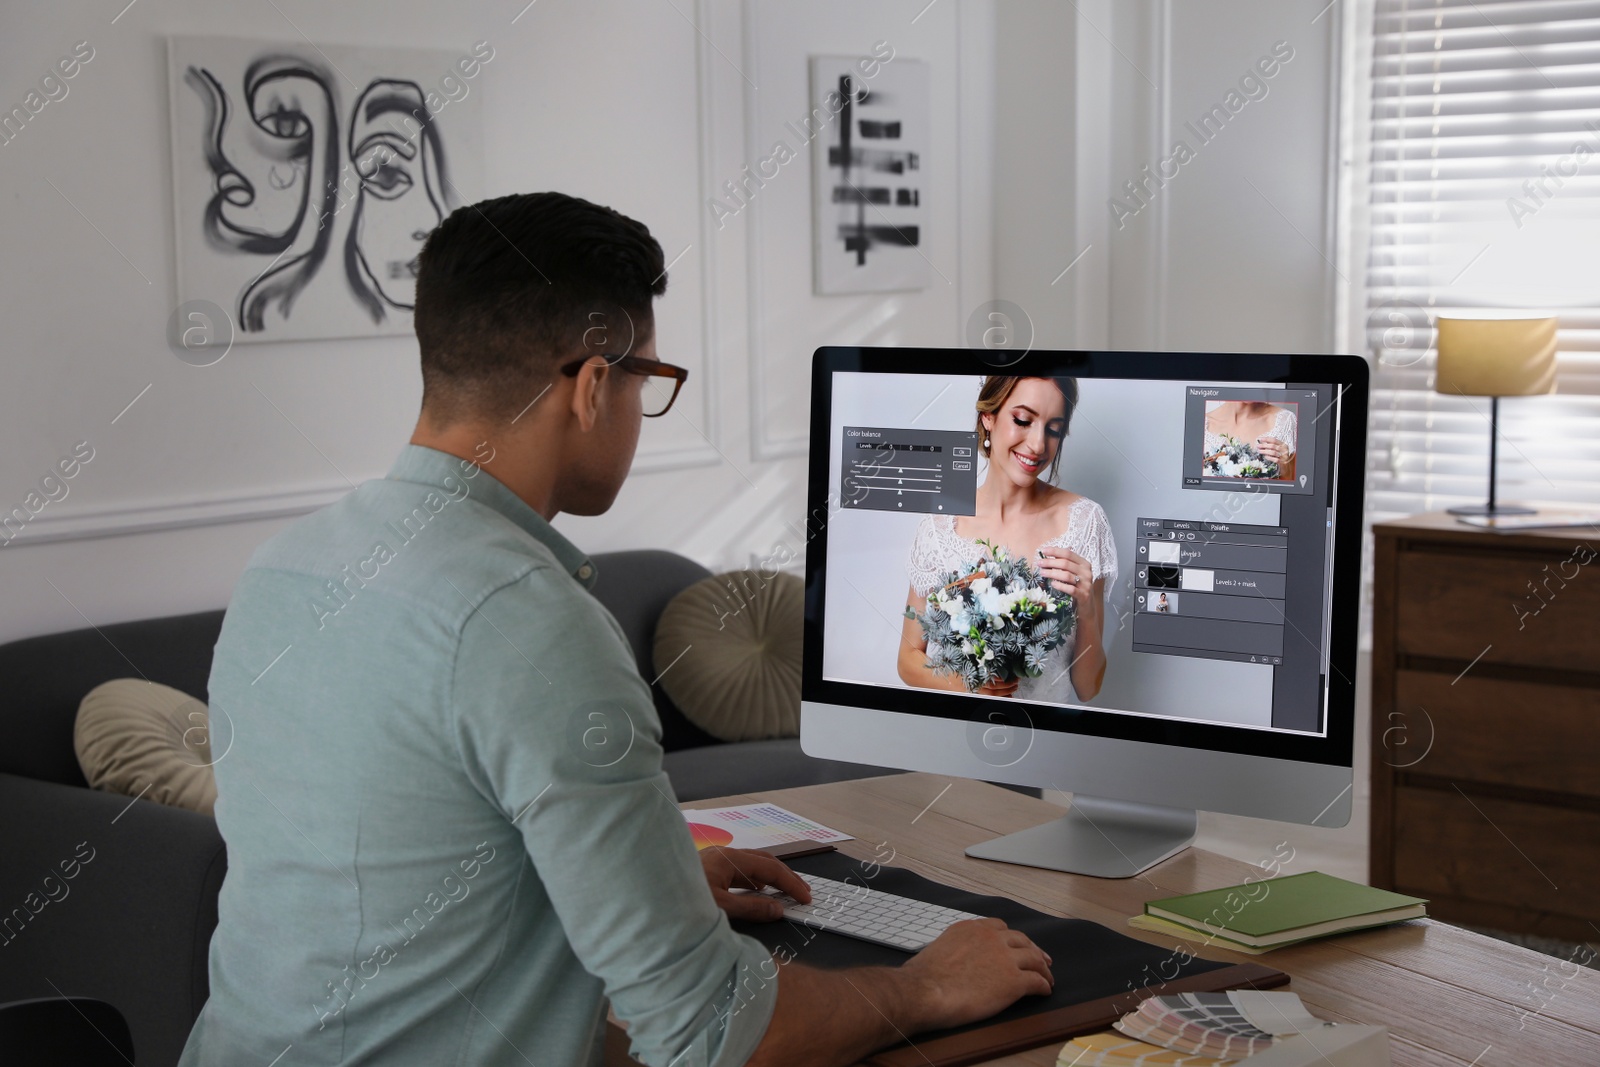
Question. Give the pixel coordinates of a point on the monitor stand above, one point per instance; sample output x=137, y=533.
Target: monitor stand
x=1100, y=837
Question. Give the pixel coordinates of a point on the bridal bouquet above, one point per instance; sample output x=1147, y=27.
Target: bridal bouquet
x=993, y=621
x=1238, y=459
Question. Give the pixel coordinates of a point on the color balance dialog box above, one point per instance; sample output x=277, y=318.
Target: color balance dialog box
x=928, y=471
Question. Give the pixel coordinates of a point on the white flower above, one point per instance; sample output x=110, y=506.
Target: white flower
x=988, y=654
x=966, y=648
x=981, y=586
x=989, y=601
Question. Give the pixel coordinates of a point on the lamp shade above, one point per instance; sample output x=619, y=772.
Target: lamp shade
x=1496, y=357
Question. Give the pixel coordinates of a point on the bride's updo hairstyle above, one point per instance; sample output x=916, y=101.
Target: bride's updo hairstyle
x=992, y=397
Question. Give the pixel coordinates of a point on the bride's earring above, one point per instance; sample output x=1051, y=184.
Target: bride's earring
x=986, y=444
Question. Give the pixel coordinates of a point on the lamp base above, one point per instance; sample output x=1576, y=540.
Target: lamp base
x=1493, y=509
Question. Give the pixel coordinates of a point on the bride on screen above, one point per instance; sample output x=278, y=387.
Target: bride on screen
x=1021, y=422
x=1271, y=428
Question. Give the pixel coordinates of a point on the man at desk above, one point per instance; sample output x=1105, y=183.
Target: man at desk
x=449, y=835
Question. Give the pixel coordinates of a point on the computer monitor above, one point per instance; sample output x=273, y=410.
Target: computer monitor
x=1212, y=503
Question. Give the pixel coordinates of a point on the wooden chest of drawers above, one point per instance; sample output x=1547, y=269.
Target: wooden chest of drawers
x=1486, y=724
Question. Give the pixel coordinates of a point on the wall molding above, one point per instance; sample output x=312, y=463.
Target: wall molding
x=1093, y=123
x=221, y=509
x=976, y=59
x=972, y=206
x=214, y=510
x=1333, y=180
x=1151, y=126
x=708, y=452
x=763, y=446
x=52, y=525
x=1163, y=125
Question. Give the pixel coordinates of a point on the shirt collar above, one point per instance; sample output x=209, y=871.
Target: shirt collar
x=429, y=466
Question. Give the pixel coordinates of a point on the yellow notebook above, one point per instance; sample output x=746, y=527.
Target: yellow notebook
x=1161, y=926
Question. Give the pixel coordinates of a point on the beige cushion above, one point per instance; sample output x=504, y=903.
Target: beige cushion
x=135, y=737
x=727, y=651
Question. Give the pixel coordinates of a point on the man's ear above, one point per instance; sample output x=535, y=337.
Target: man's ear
x=588, y=392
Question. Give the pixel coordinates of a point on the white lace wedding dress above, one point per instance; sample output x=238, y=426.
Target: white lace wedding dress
x=1284, y=429
x=938, y=549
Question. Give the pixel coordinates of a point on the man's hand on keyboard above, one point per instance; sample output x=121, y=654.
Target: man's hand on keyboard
x=743, y=868
x=976, y=968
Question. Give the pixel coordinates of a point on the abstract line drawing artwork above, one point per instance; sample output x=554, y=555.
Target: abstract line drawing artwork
x=306, y=178
x=869, y=176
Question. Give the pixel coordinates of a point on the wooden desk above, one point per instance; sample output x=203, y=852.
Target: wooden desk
x=1448, y=996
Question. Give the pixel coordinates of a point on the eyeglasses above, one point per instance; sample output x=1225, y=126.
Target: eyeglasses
x=656, y=398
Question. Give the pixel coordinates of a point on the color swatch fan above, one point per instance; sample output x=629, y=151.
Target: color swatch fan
x=1205, y=1024
x=1111, y=1049
x=1192, y=1029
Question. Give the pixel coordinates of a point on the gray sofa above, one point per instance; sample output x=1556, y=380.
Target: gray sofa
x=132, y=924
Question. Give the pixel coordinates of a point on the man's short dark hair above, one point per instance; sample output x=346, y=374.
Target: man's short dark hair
x=508, y=287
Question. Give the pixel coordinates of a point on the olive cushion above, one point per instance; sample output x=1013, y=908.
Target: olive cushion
x=144, y=739
x=727, y=651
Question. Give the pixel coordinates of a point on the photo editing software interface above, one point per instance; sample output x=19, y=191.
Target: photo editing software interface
x=1205, y=512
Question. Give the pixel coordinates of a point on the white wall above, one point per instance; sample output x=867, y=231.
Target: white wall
x=1042, y=110
x=1234, y=252
x=1249, y=240
x=1053, y=132
x=647, y=107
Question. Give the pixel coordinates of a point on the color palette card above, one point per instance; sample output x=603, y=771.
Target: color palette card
x=755, y=826
x=1199, y=1024
x=1111, y=1049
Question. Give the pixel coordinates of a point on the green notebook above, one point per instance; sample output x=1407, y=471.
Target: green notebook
x=1279, y=910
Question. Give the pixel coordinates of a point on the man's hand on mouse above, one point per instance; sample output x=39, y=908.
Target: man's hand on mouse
x=744, y=868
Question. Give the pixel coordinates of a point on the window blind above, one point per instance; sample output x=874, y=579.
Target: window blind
x=1483, y=200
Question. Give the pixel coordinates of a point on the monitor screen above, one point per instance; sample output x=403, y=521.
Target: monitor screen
x=1198, y=512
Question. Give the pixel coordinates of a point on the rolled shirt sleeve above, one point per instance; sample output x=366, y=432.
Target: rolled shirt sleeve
x=557, y=728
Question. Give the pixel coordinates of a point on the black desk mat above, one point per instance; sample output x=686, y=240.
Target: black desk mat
x=1090, y=962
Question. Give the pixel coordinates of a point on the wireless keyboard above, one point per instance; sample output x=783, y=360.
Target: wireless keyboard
x=860, y=912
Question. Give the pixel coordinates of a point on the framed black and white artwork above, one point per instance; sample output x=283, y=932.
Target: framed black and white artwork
x=306, y=177
x=868, y=167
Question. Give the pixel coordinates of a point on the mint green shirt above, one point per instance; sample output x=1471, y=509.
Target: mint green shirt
x=439, y=778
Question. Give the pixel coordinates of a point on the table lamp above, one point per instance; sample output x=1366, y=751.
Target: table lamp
x=1495, y=358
